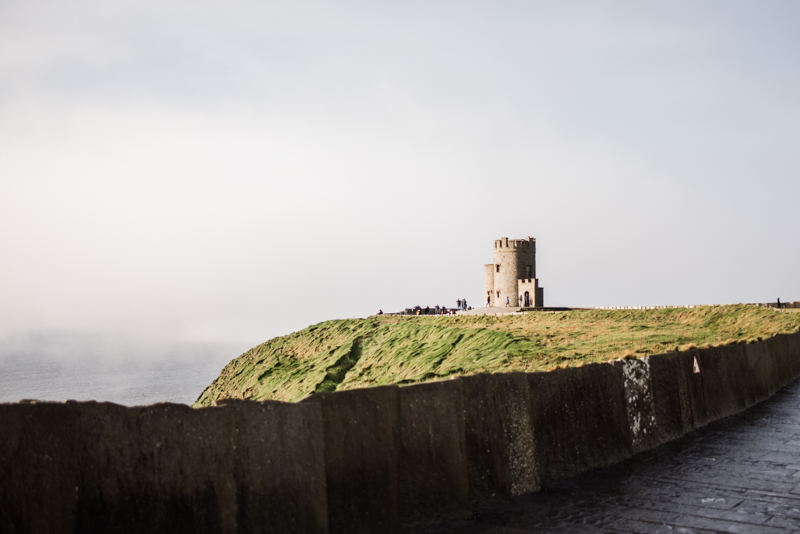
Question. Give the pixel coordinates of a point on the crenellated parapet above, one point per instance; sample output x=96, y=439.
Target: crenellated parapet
x=518, y=244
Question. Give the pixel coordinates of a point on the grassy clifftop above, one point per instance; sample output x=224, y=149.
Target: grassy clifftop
x=356, y=353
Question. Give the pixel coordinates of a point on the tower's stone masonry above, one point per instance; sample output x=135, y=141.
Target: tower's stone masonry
x=512, y=276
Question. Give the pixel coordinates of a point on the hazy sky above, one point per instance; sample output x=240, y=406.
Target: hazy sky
x=233, y=171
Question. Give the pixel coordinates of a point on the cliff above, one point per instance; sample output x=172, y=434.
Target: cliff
x=356, y=353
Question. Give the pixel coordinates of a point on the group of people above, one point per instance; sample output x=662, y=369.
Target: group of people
x=489, y=301
x=461, y=305
x=427, y=310
x=522, y=301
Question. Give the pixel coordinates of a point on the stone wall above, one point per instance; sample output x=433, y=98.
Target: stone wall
x=100, y=467
x=784, y=305
x=535, y=293
x=488, y=285
x=382, y=459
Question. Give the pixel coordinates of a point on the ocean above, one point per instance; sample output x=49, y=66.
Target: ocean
x=61, y=366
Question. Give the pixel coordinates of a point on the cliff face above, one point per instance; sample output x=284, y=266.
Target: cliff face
x=357, y=353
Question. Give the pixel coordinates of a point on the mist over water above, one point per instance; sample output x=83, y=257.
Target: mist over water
x=224, y=174
x=58, y=366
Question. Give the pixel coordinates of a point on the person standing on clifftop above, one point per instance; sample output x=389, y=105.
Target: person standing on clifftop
x=508, y=302
x=779, y=304
x=464, y=304
x=458, y=304
x=488, y=302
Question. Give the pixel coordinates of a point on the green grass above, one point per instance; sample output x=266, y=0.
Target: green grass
x=357, y=353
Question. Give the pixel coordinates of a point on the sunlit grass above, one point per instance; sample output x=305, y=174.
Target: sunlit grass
x=408, y=349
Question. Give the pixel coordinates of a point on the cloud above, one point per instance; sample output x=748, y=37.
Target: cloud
x=238, y=172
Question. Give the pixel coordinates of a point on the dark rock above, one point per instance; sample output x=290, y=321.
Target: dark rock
x=671, y=387
x=727, y=382
x=100, y=467
x=580, y=421
x=499, y=436
x=433, y=479
x=39, y=470
x=639, y=403
x=362, y=429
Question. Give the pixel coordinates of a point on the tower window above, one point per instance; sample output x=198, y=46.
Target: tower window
x=527, y=271
x=498, y=294
x=498, y=267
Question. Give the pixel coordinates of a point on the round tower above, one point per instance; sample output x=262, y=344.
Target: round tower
x=514, y=260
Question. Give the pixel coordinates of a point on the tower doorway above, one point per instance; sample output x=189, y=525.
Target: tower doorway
x=527, y=300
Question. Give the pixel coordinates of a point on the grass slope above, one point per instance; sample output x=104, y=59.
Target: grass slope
x=357, y=353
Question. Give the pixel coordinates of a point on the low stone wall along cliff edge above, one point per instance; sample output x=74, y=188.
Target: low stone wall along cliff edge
x=385, y=459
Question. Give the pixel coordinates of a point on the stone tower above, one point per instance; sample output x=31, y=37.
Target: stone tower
x=513, y=275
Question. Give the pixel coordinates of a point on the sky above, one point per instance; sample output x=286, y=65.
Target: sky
x=230, y=172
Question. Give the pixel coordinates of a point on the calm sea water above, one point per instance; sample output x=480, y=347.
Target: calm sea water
x=58, y=367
